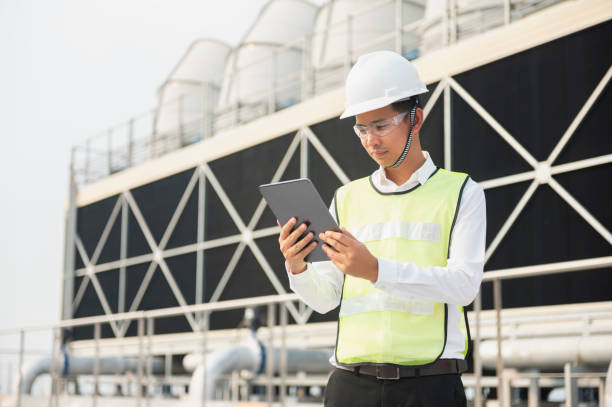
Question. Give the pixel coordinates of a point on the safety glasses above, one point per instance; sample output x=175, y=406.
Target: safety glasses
x=379, y=128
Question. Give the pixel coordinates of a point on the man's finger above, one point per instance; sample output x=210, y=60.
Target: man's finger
x=297, y=232
x=331, y=253
x=337, y=237
x=308, y=249
x=332, y=242
x=287, y=228
x=297, y=247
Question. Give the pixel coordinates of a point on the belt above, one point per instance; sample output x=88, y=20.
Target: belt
x=389, y=372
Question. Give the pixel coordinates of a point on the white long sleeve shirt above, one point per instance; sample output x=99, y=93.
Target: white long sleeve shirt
x=320, y=285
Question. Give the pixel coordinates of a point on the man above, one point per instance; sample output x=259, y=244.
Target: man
x=408, y=258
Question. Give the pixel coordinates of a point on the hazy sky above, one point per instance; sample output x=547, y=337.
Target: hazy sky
x=70, y=69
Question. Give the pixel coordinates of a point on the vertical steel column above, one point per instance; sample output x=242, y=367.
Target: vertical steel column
x=199, y=289
x=303, y=155
x=272, y=85
x=20, y=366
x=87, y=154
x=506, y=12
x=96, y=366
x=9, y=377
x=180, y=121
x=168, y=367
x=153, y=145
x=234, y=386
x=452, y=13
x=69, y=245
x=499, y=365
x=150, y=379
x=141, y=329
x=533, y=394
x=283, y=355
x=270, y=356
x=130, y=146
x=236, y=79
x=110, y=151
x=399, y=26
x=304, y=73
x=601, y=391
x=204, y=350
x=203, y=117
x=445, y=23
x=53, y=368
x=571, y=386
x=447, y=127
x=123, y=256
x=476, y=353
x=348, y=56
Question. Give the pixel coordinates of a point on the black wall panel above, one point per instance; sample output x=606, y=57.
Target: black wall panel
x=242, y=172
x=535, y=95
x=186, y=230
x=91, y=221
x=158, y=200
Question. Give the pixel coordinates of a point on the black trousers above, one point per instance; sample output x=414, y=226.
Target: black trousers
x=348, y=389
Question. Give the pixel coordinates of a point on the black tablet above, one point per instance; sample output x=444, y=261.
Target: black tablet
x=299, y=198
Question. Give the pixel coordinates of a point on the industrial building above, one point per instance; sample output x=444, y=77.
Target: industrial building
x=174, y=289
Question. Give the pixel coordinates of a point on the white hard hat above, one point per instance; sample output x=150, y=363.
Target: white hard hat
x=379, y=79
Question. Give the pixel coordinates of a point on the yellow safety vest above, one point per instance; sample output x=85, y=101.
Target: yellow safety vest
x=412, y=226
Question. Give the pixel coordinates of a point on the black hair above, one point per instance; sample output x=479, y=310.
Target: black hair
x=405, y=105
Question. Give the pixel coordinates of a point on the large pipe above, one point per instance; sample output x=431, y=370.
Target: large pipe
x=73, y=366
x=249, y=356
x=549, y=353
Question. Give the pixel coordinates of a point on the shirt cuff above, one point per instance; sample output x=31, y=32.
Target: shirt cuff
x=299, y=276
x=387, y=273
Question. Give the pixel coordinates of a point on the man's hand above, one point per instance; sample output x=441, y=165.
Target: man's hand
x=351, y=256
x=295, y=250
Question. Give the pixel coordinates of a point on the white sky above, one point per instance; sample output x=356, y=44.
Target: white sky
x=70, y=69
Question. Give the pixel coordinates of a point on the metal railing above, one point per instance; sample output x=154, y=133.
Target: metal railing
x=138, y=140
x=146, y=330
x=497, y=277
x=146, y=323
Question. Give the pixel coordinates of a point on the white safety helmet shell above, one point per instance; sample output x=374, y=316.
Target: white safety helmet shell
x=379, y=79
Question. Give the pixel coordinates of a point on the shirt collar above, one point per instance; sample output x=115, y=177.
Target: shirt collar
x=420, y=176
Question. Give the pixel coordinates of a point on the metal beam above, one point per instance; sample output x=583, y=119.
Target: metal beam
x=493, y=123
x=580, y=116
x=327, y=157
x=510, y=221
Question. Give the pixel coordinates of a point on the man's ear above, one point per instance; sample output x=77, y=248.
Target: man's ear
x=418, y=121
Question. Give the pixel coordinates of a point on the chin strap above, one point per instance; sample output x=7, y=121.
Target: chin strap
x=408, y=141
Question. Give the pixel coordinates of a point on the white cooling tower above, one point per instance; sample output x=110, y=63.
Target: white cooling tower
x=189, y=96
x=263, y=74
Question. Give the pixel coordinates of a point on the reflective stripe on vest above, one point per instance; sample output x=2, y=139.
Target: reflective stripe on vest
x=415, y=226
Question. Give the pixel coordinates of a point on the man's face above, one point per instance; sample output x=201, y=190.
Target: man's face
x=384, y=150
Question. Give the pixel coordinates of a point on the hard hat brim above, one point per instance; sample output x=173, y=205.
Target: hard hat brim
x=374, y=104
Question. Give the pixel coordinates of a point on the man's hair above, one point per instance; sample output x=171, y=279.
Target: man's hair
x=405, y=105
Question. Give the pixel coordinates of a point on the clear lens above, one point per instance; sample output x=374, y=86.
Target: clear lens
x=380, y=128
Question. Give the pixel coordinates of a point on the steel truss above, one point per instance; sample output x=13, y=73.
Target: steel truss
x=542, y=173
